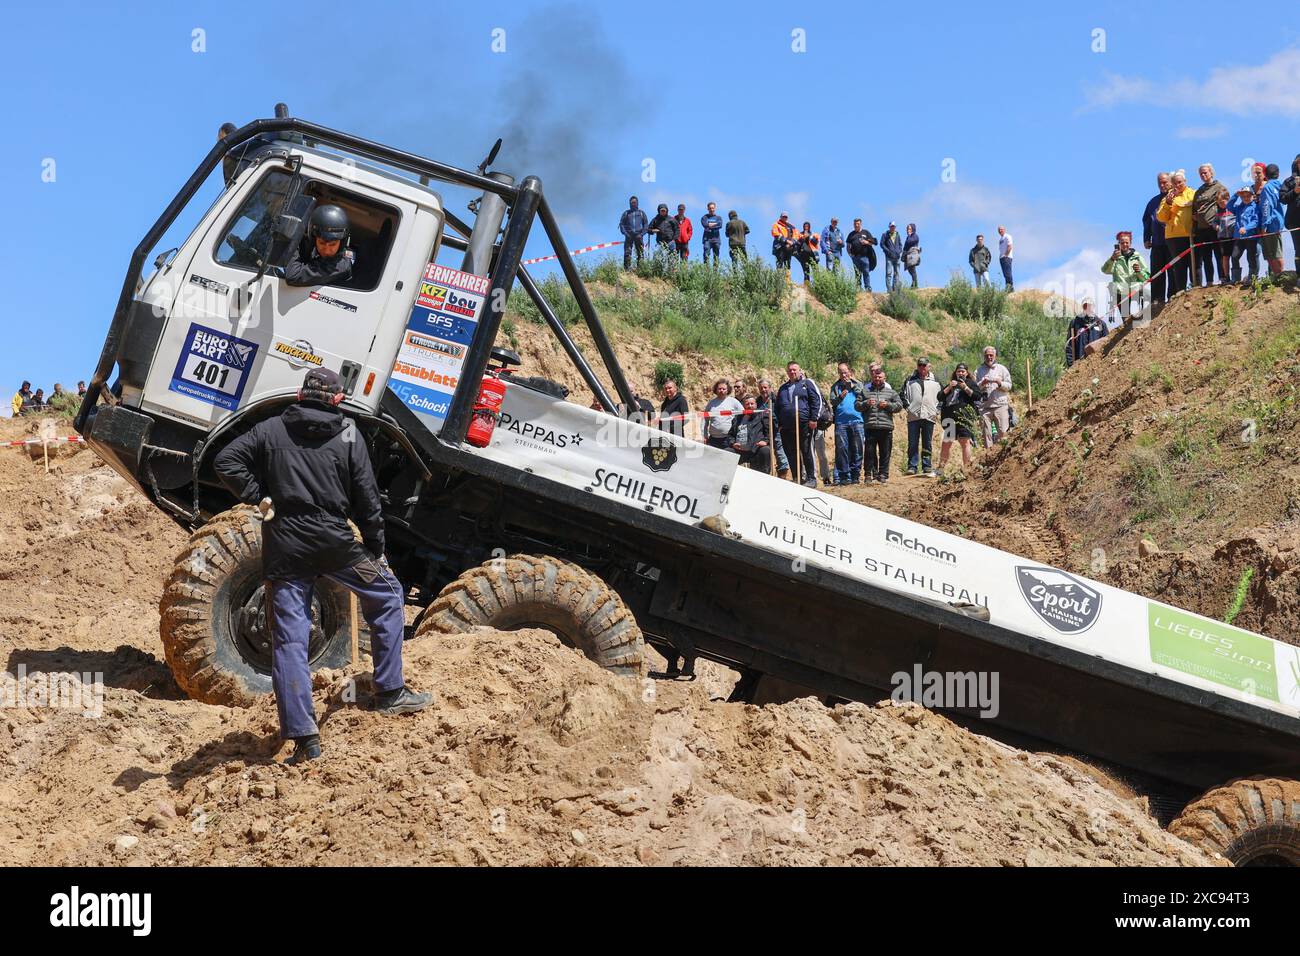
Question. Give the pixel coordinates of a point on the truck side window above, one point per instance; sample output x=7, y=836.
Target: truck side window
x=372, y=227
x=248, y=236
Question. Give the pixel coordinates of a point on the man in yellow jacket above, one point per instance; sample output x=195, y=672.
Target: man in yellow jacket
x=1176, y=213
x=22, y=397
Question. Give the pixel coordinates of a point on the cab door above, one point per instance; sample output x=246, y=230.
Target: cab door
x=234, y=337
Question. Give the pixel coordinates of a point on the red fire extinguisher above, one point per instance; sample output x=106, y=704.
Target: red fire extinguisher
x=486, y=410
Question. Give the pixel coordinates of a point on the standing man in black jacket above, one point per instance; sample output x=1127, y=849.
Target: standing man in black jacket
x=1153, y=238
x=632, y=224
x=308, y=472
x=798, y=406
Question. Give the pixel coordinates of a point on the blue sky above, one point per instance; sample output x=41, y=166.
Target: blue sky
x=1047, y=134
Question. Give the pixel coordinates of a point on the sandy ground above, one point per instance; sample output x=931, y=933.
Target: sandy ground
x=532, y=754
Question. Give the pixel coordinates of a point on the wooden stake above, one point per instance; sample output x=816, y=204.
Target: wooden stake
x=1029, y=383
x=352, y=602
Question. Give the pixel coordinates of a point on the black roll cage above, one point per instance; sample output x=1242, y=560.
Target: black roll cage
x=524, y=203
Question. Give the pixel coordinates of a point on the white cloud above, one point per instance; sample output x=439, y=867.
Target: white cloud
x=1201, y=132
x=1042, y=231
x=1078, y=277
x=1267, y=88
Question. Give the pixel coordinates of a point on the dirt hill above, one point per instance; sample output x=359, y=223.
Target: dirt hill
x=1185, y=434
x=532, y=754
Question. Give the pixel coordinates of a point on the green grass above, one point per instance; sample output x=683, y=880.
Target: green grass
x=1154, y=491
x=963, y=301
x=1239, y=596
x=836, y=289
x=666, y=369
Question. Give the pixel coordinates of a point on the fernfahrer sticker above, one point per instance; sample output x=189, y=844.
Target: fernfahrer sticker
x=213, y=366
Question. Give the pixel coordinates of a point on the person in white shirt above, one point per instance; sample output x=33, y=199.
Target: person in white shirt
x=994, y=381
x=717, y=428
x=1004, y=256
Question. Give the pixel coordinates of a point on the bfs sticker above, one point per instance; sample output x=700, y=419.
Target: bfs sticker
x=213, y=367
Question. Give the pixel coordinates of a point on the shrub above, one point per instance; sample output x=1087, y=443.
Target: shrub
x=666, y=369
x=901, y=304
x=835, y=289
x=963, y=301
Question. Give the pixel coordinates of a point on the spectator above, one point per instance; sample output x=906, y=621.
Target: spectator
x=1271, y=221
x=38, y=403
x=81, y=389
x=718, y=413
x=765, y=404
x=642, y=410
x=1128, y=274
x=921, y=396
x=60, y=400
x=798, y=406
x=739, y=389
x=1086, y=327
x=912, y=251
x=805, y=250
x=595, y=405
x=737, y=230
x=1175, y=212
x=994, y=381
x=1005, y=255
x=749, y=437
x=832, y=244
x=878, y=404
x=21, y=397
x=1246, y=214
x=844, y=394
x=959, y=411
x=891, y=244
x=783, y=241
x=1205, y=232
x=684, y=232
x=632, y=224
x=664, y=228
x=824, y=422
x=1289, y=196
x=1153, y=238
x=862, y=252
x=673, y=410
x=711, y=238
x=1225, y=228
x=980, y=258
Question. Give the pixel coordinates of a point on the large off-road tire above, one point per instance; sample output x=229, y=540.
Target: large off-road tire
x=213, y=618
x=540, y=591
x=1254, y=822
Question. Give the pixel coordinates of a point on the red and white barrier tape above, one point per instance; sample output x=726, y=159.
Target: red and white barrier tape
x=573, y=252
x=76, y=439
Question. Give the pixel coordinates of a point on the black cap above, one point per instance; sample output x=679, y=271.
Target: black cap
x=324, y=380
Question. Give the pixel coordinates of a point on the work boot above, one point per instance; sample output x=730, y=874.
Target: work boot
x=403, y=700
x=305, y=748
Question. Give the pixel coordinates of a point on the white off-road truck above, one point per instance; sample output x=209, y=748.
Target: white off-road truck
x=606, y=531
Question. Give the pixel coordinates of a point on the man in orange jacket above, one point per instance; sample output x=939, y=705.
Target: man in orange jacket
x=783, y=237
x=684, y=232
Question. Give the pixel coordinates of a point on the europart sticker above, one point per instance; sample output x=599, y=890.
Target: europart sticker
x=1061, y=601
x=213, y=366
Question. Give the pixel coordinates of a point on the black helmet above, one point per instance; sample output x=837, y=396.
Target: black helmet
x=329, y=223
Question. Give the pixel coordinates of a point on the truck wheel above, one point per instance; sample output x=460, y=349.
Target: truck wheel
x=1253, y=822
x=213, y=615
x=540, y=591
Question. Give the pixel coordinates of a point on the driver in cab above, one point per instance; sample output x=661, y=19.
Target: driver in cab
x=321, y=258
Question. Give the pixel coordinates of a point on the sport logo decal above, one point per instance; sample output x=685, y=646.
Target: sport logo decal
x=1061, y=600
x=659, y=454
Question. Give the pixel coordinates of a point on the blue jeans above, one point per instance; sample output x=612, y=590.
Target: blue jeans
x=848, y=452
x=712, y=246
x=920, y=433
x=289, y=606
x=1006, y=271
x=891, y=274
x=863, y=270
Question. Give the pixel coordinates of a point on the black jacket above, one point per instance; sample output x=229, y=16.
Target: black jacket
x=307, y=268
x=676, y=406
x=664, y=228
x=318, y=475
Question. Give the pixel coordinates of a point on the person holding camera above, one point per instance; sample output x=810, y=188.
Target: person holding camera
x=1128, y=275
x=959, y=414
